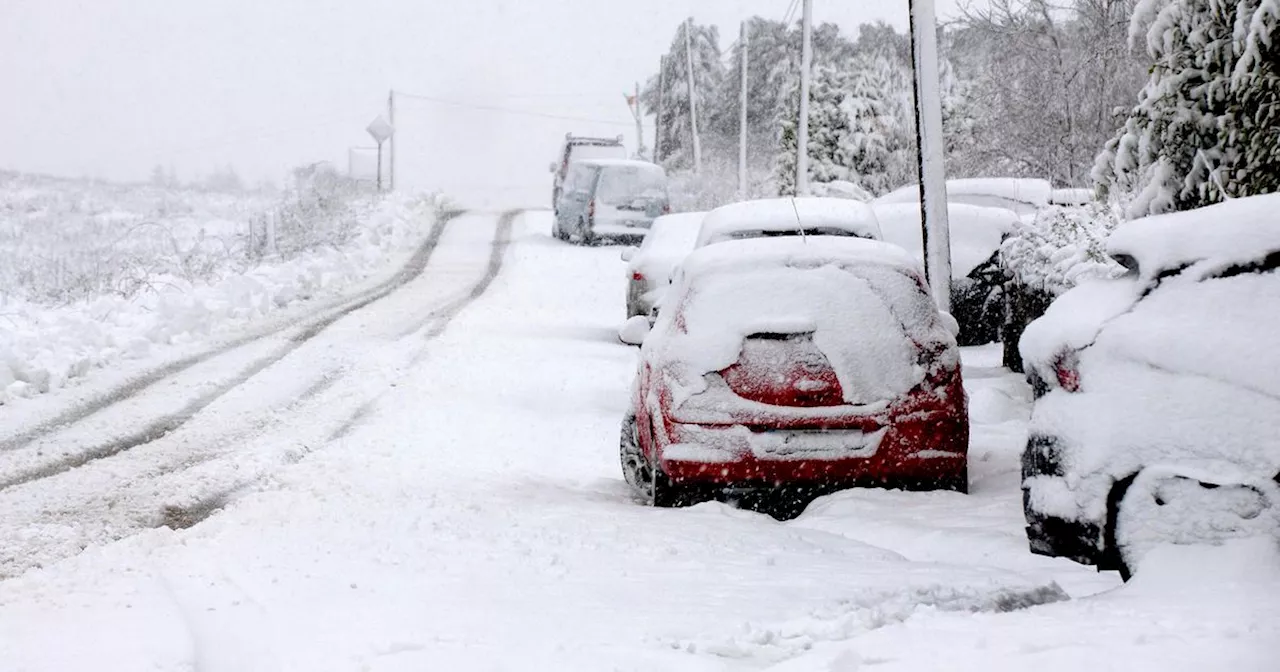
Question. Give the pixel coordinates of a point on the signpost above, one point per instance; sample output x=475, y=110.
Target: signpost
x=380, y=130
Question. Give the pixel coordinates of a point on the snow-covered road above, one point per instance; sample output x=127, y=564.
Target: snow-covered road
x=432, y=483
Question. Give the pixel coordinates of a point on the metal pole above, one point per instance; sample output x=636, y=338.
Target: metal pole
x=639, y=125
x=742, y=115
x=657, y=117
x=379, y=166
x=933, y=172
x=391, y=119
x=693, y=102
x=806, y=64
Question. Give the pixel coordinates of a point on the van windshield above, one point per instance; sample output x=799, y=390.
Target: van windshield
x=620, y=185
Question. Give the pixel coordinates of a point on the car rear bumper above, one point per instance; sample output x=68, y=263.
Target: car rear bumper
x=921, y=450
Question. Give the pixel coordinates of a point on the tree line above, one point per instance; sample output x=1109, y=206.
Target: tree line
x=1160, y=104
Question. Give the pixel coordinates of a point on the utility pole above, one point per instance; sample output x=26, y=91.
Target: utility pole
x=742, y=115
x=806, y=64
x=657, y=117
x=391, y=118
x=639, y=125
x=933, y=171
x=693, y=103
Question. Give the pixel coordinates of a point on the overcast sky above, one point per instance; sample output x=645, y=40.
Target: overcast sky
x=111, y=88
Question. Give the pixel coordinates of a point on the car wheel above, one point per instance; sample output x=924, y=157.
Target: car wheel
x=1159, y=506
x=585, y=234
x=649, y=485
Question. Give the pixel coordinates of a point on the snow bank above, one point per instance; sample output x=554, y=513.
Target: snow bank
x=976, y=231
x=45, y=347
x=788, y=214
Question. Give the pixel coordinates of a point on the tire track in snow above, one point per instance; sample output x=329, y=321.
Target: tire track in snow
x=328, y=314
x=167, y=423
x=432, y=326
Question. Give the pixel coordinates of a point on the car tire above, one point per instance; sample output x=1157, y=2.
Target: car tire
x=585, y=234
x=648, y=484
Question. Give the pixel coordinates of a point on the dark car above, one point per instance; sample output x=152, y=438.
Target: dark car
x=1157, y=412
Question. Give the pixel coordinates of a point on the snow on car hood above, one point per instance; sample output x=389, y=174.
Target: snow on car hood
x=1238, y=231
x=857, y=317
x=976, y=231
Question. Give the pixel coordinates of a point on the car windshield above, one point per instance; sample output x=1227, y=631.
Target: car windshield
x=620, y=185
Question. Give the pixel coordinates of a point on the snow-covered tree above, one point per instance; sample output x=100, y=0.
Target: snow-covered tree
x=854, y=133
x=675, y=129
x=1207, y=124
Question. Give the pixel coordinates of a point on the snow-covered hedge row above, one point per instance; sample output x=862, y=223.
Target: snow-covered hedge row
x=1062, y=246
x=43, y=346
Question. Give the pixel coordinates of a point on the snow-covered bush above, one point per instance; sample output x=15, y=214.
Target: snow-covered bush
x=1060, y=247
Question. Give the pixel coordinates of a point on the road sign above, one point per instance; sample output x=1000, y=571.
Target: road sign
x=380, y=129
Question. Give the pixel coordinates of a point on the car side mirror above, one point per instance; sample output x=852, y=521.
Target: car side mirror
x=629, y=253
x=634, y=330
x=551, y=167
x=949, y=321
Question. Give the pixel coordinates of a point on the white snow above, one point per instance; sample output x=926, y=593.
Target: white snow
x=46, y=345
x=780, y=215
x=668, y=242
x=976, y=231
x=1022, y=195
x=475, y=518
x=1239, y=231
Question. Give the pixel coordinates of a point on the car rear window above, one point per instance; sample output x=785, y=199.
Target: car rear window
x=866, y=318
x=623, y=184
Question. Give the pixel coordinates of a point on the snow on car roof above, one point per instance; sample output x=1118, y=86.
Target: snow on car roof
x=669, y=239
x=976, y=231
x=779, y=214
x=1025, y=190
x=634, y=163
x=1241, y=230
x=795, y=251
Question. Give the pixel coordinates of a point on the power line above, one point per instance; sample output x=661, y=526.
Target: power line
x=791, y=12
x=510, y=110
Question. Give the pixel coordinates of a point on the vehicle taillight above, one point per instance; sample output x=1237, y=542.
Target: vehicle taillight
x=1067, y=369
x=637, y=276
x=591, y=210
x=784, y=370
x=666, y=208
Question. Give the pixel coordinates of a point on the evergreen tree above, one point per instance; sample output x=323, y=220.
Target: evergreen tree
x=674, y=127
x=1206, y=124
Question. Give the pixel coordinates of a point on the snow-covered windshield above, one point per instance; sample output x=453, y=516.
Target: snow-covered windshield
x=620, y=185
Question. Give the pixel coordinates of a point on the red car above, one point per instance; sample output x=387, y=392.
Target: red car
x=797, y=364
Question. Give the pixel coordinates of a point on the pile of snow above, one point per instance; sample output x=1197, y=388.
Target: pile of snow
x=1062, y=247
x=43, y=347
x=747, y=219
x=841, y=189
x=976, y=231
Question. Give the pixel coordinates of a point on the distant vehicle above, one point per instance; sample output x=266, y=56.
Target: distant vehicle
x=1024, y=196
x=649, y=267
x=796, y=367
x=610, y=199
x=805, y=215
x=977, y=279
x=1157, y=413
x=580, y=148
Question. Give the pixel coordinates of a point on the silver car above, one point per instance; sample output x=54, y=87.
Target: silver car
x=610, y=199
x=649, y=266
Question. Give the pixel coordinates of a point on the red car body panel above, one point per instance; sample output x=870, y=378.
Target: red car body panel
x=925, y=438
